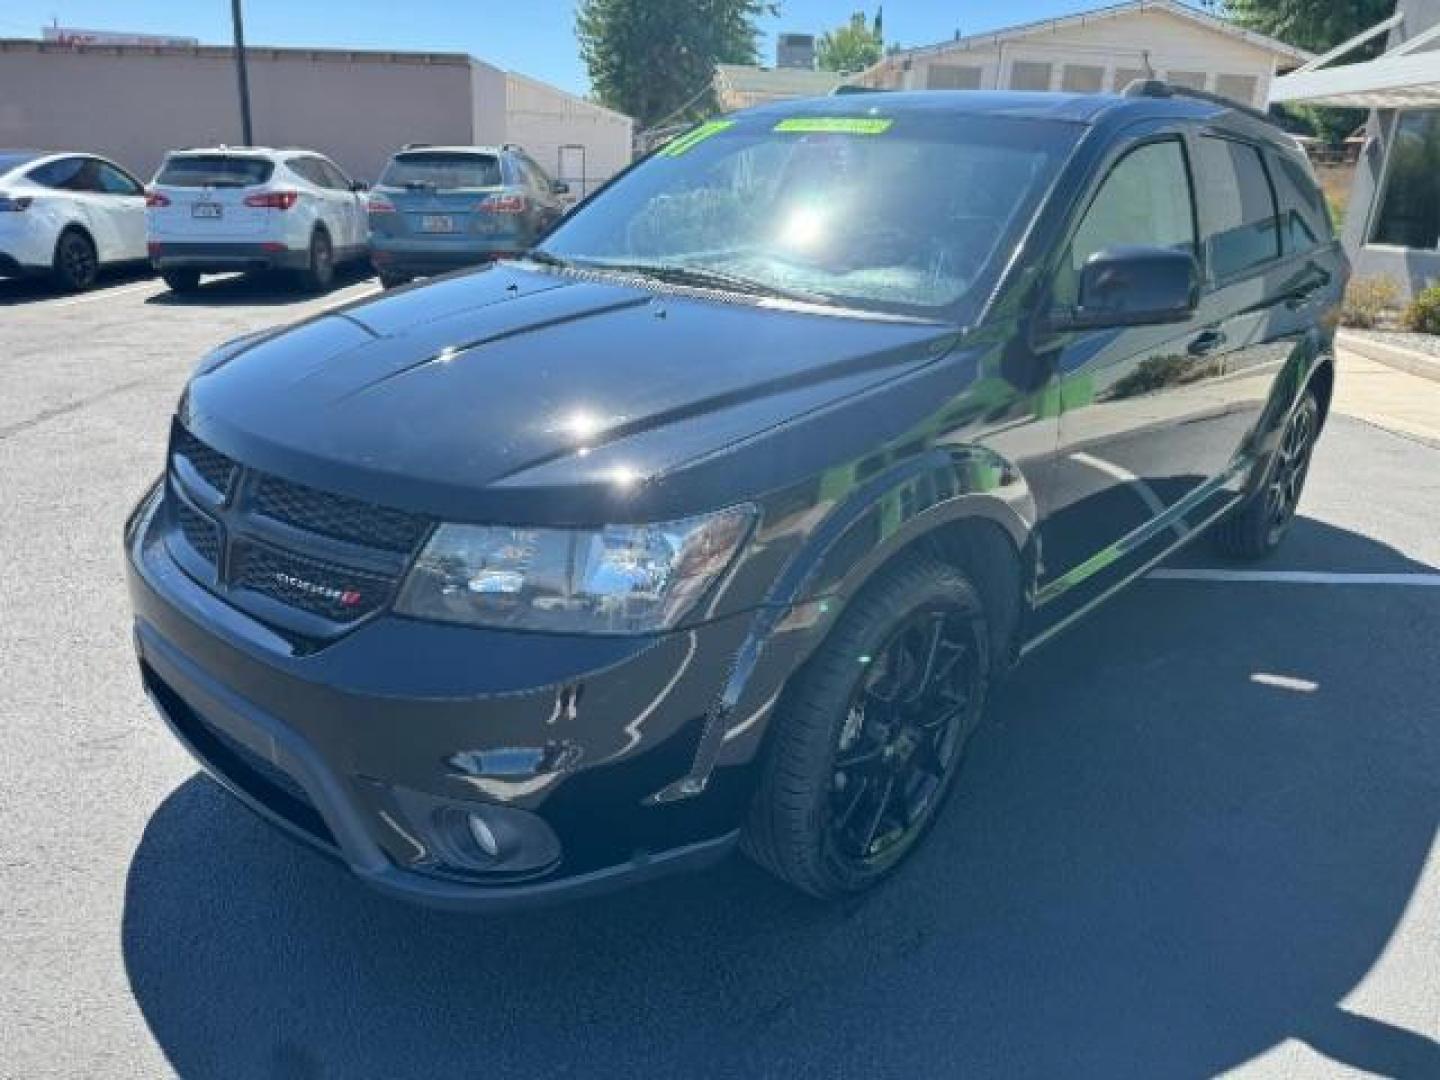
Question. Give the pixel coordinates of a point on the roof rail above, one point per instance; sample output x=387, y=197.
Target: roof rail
x=416, y=145
x=852, y=88
x=1159, y=88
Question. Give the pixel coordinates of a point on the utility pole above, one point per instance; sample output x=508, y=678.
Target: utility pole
x=240, y=74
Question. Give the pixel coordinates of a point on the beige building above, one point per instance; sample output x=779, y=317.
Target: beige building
x=739, y=86
x=133, y=103
x=1097, y=51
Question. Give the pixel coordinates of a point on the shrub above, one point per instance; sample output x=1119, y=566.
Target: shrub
x=1423, y=313
x=1368, y=299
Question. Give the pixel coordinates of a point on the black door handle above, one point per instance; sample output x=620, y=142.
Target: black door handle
x=1206, y=342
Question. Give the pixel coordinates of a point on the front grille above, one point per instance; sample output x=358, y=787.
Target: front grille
x=338, y=517
x=214, y=468
x=200, y=533
x=337, y=593
x=291, y=576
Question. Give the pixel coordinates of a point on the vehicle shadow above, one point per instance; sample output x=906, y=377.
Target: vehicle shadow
x=29, y=290
x=255, y=290
x=1155, y=865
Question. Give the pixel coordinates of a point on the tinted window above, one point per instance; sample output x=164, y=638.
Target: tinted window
x=115, y=182
x=1237, y=206
x=214, y=170
x=906, y=212
x=1410, y=211
x=1303, y=213
x=1145, y=200
x=444, y=171
x=307, y=169
x=68, y=174
x=334, y=178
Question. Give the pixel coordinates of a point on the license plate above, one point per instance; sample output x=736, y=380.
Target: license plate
x=437, y=223
x=207, y=210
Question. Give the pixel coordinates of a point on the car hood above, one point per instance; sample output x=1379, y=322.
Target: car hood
x=469, y=397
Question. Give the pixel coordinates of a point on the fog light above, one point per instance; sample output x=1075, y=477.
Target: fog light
x=474, y=838
x=484, y=836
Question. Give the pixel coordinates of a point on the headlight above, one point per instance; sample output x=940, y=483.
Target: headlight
x=620, y=579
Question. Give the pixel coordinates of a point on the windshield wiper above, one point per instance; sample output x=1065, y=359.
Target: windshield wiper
x=544, y=258
x=704, y=278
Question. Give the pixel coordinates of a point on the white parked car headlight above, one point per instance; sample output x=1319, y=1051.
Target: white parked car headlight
x=618, y=579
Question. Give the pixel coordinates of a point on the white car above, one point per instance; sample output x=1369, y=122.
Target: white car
x=67, y=215
x=227, y=208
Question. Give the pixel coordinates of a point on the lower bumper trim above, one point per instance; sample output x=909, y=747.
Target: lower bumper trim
x=326, y=820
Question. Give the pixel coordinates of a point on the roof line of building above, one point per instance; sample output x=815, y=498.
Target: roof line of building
x=1081, y=18
x=378, y=56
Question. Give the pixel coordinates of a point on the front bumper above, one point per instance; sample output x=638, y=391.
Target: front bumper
x=337, y=745
x=219, y=258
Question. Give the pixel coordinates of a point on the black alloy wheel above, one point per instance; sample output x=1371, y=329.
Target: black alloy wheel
x=906, y=723
x=869, y=737
x=1255, y=528
x=76, y=264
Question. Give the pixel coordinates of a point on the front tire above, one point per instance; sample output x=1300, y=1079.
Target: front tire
x=75, y=264
x=869, y=737
x=319, y=272
x=1256, y=527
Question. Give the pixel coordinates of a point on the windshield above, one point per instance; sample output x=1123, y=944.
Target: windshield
x=214, y=170
x=443, y=171
x=906, y=214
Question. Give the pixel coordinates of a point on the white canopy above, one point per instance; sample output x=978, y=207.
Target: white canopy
x=1402, y=78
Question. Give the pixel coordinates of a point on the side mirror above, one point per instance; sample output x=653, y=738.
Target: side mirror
x=359, y=185
x=559, y=187
x=1133, y=286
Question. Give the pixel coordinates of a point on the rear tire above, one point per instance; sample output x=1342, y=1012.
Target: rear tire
x=1256, y=527
x=319, y=272
x=839, y=746
x=75, y=264
x=181, y=281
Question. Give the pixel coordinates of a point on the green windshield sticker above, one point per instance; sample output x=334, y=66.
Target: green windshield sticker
x=845, y=125
x=691, y=139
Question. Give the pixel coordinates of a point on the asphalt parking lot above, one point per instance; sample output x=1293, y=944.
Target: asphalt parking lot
x=1199, y=836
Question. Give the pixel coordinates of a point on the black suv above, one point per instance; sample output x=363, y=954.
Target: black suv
x=715, y=519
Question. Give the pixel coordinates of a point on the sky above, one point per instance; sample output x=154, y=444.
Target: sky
x=534, y=37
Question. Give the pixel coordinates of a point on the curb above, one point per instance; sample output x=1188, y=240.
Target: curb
x=1395, y=356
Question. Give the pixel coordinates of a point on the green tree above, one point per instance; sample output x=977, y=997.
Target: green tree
x=655, y=59
x=1317, y=25
x=852, y=47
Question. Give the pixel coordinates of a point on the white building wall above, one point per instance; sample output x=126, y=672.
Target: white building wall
x=550, y=124
x=134, y=104
x=1119, y=45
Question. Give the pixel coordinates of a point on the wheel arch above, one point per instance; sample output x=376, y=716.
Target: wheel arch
x=966, y=506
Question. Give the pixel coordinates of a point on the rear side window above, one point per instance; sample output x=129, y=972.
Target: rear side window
x=68, y=174
x=115, y=182
x=1242, y=229
x=1145, y=200
x=1304, y=217
x=214, y=170
x=332, y=176
x=442, y=171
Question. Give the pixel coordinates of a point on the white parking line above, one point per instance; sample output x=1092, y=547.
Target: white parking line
x=1140, y=487
x=1296, y=577
x=99, y=294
